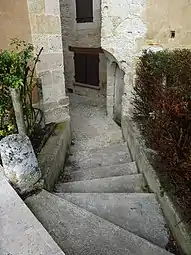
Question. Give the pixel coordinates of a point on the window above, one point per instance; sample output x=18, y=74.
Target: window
x=84, y=11
x=87, y=69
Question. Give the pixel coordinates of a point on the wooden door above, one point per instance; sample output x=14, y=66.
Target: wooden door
x=87, y=69
x=92, y=70
x=80, y=68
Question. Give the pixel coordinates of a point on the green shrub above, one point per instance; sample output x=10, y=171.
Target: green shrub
x=17, y=69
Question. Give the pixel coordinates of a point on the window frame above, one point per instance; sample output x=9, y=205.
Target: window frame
x=88, y=18
x=85, y=83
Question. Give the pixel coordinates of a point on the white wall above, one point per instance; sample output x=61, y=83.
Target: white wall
x=122, y=28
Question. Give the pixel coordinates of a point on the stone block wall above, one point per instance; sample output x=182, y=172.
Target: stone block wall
x=45, y=25
x=122, y=27
x=129, y=26
x=67, y=11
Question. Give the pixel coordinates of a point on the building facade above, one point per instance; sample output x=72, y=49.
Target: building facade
x=91, y=46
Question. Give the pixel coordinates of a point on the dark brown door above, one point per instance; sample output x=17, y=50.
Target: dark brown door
x=92, y=70
x=80, y=68
x=87, y=68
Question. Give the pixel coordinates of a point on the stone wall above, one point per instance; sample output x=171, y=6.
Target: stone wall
x=122, y=28
x=46, y=32
x=67, y=10
x=128, y=26
x=164, y=17
x=53, y=155
x=14, y=22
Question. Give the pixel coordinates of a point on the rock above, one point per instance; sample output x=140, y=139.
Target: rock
x=20, y=163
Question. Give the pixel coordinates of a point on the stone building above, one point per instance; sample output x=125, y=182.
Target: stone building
x=91, y=46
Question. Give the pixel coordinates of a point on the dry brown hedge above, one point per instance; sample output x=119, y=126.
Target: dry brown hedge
x=162, y=100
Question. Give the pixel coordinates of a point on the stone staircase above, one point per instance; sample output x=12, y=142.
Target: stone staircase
x=101, y=205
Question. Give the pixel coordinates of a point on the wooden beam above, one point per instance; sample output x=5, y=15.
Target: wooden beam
x=86, y=50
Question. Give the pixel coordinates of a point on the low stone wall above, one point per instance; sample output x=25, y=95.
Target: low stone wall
x=142, y=157
x=53, y=155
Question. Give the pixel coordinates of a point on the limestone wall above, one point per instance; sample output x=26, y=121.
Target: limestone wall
x=67, y=11
x=14, y=22
x=128, y=26
x=165, y=16
x=46, y=32
x=122, y=27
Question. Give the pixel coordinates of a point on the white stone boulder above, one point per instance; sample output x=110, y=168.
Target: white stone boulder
x=20, y=163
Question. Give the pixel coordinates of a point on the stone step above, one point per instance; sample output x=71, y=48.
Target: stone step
x=101, y=172
x=120, y=184
x=105, y=156
x=78, y=231
x=21, y=233
x=138, y=213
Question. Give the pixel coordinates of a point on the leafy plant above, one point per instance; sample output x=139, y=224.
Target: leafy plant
x=17, y=69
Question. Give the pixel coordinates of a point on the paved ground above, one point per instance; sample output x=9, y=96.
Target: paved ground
x=90, y=125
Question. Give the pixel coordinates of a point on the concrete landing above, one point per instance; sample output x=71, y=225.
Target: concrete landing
x=90, y=125
x=78, y=231
x=137, y=213
x=120, y=184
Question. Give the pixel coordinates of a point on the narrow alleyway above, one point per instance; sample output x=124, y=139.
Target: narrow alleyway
x=91, y=128
x=101, y=206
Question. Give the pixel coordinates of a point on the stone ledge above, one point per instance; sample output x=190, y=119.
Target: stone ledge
x=139, y=152
x=57, y=111
x=52, y=156
x=21, y=232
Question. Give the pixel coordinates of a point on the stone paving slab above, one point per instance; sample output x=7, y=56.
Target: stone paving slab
x=119, y=184
x=90, y=125
x=101, y=172
x=105, y=156
x=138, y=213
x=20, y=232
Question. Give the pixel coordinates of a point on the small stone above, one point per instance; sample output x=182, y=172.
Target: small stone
x=19, y=162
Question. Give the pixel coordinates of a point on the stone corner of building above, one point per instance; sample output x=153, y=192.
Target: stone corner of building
x=57, y=112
